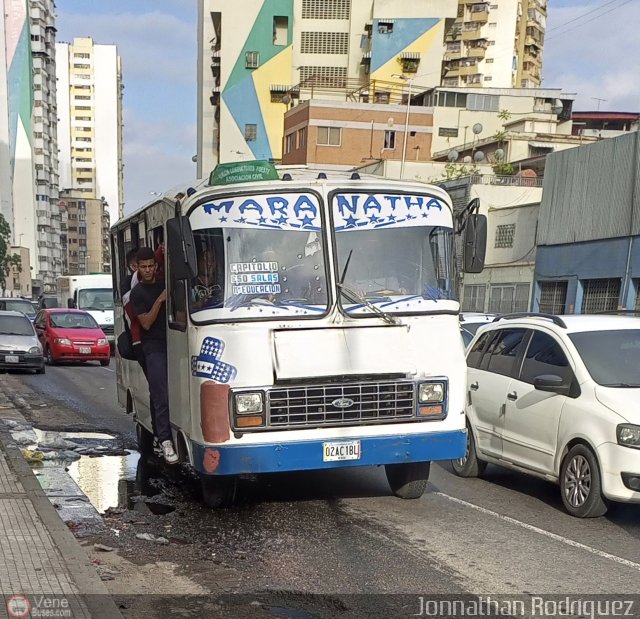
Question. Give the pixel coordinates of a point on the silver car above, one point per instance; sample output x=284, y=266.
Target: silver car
x=19, y=345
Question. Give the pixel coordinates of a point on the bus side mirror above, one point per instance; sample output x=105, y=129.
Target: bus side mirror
x=475, y=243
x=181, y=249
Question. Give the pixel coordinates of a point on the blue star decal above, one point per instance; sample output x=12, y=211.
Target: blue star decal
x=351, y=221
x=223, y=219
x=307, y=221
x=283, y=220
x=411, y=216
x=425, y=215
x=262, y=220
x=374, y=220
x=391, y=218
x=242, y=220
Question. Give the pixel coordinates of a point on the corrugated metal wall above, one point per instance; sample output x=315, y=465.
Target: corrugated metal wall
x=591, y=192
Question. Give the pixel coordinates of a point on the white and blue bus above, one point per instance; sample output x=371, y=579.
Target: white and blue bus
x=329, y=337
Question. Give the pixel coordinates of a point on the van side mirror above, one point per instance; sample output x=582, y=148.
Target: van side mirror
x=70, y=303
x=552, y=384
x=181, y=249
x=475, y=243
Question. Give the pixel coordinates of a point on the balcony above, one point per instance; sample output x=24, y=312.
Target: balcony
x=480, y=16
x=468, y=69
x=471, y=32
x=477, y=51
x=451, y=82
x=454, y=33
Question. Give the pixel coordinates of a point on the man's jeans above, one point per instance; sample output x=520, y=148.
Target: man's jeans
x=159, y=394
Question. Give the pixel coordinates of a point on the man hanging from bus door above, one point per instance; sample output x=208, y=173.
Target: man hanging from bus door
x=135, y=329
x=148, y=300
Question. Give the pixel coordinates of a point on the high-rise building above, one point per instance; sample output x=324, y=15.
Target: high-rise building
x=45, y=143
x=496, y=44
x=89, y=130
x=17, y=183
x=259, y=57
x=85, y=240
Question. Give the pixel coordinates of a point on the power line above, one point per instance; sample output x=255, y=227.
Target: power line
x=588, y=21
x=581, y=16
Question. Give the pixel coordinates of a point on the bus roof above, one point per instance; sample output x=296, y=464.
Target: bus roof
x=299, y=177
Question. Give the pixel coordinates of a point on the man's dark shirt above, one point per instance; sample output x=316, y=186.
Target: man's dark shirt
x=143, y=296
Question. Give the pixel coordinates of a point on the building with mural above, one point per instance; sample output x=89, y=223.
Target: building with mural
x=17, y=188
x=259, y=58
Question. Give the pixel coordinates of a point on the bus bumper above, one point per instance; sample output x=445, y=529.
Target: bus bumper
x=309, y=455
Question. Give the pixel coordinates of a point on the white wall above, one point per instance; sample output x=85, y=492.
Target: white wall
x=6, y=198
x=64, y=113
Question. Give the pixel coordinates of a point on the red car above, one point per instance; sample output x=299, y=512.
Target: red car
x=71, y=335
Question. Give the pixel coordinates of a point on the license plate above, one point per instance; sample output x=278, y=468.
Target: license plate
x=12, y=359
x=343, y=450
x=84, y=350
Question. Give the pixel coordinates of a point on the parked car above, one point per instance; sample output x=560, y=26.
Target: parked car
x=557, y=397
x=19, y=346
x=47, y=302
x=16, y=304
x=470, y=322
x=71, y=335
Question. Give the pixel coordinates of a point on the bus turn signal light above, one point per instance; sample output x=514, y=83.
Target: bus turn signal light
x=249, y=422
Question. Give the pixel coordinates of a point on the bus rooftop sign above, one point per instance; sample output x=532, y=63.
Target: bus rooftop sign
x=243, y=172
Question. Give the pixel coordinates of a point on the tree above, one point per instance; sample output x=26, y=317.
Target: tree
x=7, y=261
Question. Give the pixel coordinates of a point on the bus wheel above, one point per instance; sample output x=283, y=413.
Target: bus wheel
x=145, y=441
x=408, y=480
x=219, y=491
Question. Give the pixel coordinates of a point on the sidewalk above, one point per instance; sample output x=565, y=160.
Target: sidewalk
x=39, y=556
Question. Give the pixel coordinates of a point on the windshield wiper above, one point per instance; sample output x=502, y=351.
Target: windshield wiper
x=13, y=333
x=357, y=298
x=621, y=385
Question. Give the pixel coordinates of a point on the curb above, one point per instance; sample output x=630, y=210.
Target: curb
x=91, y=589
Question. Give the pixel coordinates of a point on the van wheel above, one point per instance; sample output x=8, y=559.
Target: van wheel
x=469, y=465
x=219, y=491
x=145, y=441
x=408, y=480
x=105, y=362
x=580, y=484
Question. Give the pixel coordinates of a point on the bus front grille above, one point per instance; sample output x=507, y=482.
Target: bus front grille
x=336, y=404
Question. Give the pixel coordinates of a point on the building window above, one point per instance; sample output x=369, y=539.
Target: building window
x=487, y=78
x=504, y=235
x=389, y=140
x=332, y=77
x=553, y=297
x=325, y=43
x=289, y=141
x=329, y=136
x=280, y=30
x=508, y=298
x=385, y=26
x=473, y=300
x=251, y=132
x=323, y=9
x=600, y=295
x=252, y=60
x=381, y=97
x=302, y=137
x=489, y=60
x=483, y=103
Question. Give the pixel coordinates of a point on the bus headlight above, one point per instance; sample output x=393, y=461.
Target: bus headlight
x=248, y=403
x=430, y=392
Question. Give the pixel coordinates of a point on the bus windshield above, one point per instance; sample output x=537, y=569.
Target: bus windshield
x=259, y=257
x=95, y=299
x=395, y=252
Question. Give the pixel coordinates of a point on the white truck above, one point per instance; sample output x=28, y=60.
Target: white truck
x=92, y=293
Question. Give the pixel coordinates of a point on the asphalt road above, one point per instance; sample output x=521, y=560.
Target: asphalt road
x=342, y=532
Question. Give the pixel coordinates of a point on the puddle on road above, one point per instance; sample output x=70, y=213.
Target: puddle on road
x=47, y=436
x=106, y=480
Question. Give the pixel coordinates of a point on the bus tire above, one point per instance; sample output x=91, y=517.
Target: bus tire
x=145, y=441
x=408, y=480
x=219, y=491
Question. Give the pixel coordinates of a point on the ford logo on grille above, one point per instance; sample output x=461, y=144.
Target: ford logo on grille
x=343, y=403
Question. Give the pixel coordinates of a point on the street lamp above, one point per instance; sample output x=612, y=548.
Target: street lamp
x=409, y=81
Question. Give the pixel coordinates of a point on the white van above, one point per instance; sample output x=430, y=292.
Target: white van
x=92, y=293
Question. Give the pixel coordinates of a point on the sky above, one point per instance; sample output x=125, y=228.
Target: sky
x=591, y=49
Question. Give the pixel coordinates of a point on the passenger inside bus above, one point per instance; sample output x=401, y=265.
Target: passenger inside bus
x=206, y=290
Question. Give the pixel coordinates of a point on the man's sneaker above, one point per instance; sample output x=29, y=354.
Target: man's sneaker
x=170, y=456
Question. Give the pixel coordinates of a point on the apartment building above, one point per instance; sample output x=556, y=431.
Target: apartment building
x=90, y=128
x=497, y=43
x=18, y=280
x=259, y=58
x=85, y=238
x=45, y=143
